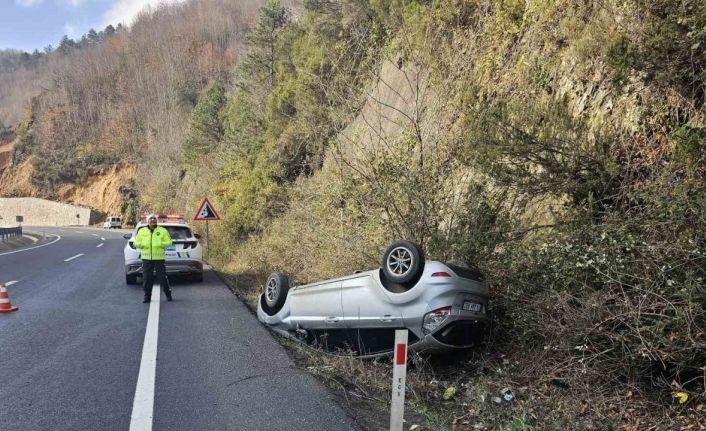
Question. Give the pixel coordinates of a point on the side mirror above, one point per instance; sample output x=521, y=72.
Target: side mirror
x=127, y=236
x=197, y=236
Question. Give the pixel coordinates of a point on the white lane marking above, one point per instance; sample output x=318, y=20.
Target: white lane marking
x=99, y=245
x=143, y=405
x=10, y=283
x=102, y=239
x=32, y=248
x=73, y=257
x=94, y=234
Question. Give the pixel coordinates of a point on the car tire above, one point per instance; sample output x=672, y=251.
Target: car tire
x=130, y=279
x=403, y=262
x=276, y=290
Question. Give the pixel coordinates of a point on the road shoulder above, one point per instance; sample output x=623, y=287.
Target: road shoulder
x=346, y=378
x=238, y=376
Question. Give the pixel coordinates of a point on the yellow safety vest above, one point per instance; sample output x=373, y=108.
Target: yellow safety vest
x=152, y=243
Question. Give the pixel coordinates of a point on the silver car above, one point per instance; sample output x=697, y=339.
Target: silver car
x=443, y=306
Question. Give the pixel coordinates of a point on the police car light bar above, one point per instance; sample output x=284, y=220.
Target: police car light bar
x=166, y=218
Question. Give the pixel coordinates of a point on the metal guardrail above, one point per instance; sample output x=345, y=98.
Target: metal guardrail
x=10, y=232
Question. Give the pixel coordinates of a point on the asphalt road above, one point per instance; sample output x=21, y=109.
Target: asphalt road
x=70, y=357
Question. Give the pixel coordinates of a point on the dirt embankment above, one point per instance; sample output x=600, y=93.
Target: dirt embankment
x=101, y=192
x=16, y=181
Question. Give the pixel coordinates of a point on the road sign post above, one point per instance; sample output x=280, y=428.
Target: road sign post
x=205, y=213
x=399, y=377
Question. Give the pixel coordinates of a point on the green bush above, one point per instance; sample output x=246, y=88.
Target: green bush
x=672, y=47
x=689, y=146
x=621, y=58
x=23, y=145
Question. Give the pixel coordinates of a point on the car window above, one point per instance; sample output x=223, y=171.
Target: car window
x=179, y=232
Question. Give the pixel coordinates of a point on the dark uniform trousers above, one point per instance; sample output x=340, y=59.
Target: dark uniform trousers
x=149, y=267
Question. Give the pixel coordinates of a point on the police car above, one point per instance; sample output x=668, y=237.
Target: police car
x=183, y=258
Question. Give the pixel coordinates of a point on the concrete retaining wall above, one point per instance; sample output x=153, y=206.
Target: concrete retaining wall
x=42, y=212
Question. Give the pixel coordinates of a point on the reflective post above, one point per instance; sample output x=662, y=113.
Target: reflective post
x=399, y=377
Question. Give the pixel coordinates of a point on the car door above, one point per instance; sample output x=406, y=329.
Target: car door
x=317, y=306
x=370, y=318
x=365, y=305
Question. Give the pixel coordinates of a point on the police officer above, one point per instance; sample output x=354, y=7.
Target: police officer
x=151, y=241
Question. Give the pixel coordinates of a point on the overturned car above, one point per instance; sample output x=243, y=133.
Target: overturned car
x=444, y=306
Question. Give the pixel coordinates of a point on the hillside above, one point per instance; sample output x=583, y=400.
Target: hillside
x=117, y=95
x=557, y=146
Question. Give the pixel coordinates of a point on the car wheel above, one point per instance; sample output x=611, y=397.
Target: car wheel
x=130, y=279
x=403, y=262
x=276, y=290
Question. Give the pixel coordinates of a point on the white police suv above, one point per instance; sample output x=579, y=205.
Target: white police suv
x=183, y=258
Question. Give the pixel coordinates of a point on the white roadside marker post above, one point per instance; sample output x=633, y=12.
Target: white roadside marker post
x=399, y=376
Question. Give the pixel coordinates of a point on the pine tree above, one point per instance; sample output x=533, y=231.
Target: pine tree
x=66, y=45
x=206, y=125
x=109, y=31
x=93, y=37
x=262, y=55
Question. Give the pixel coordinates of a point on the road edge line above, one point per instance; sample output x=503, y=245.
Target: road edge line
x=58, y=237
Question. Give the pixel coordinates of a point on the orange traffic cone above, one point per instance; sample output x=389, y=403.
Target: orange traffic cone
x=5, y=306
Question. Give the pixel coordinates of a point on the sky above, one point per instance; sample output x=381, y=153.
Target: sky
x=34, y=24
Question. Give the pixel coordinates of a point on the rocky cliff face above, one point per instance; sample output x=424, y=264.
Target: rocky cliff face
x=16, y=181
x=104, y=192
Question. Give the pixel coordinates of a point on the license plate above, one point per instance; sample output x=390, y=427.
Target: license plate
x=170, y=248
x=471, y=306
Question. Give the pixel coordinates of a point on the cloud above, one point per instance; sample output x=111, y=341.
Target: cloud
x=125, y=11
x=70, y=30
x=28, y=3
x=74, y=2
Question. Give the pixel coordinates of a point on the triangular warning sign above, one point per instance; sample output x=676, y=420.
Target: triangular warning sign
x=206, y=212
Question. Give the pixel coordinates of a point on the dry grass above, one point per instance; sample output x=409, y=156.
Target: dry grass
x=549, y=393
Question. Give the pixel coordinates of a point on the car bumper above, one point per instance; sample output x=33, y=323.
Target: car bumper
x=457, y=335
x=182, y=267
